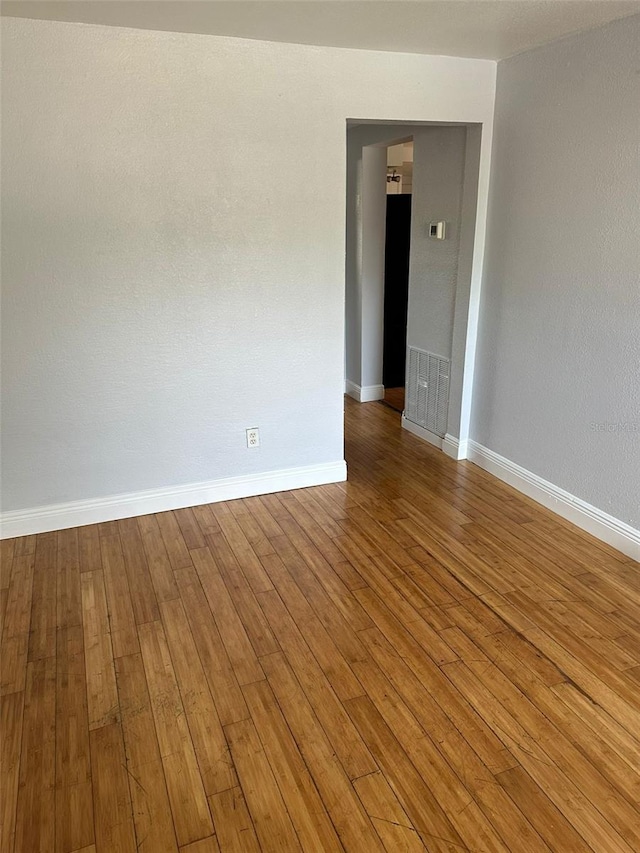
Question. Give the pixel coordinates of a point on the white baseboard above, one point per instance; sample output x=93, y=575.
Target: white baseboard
x=422, y=433
x=455, y=448
x=77, y=513
x=352, y=390
x=364, y=393
x=600, y=524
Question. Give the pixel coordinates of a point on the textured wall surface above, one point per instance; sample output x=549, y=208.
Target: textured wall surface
x=439, y=158
x=365, y=247
x=164, y=287
x=558, y=372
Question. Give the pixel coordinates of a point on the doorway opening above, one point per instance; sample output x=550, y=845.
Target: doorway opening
x=413, y=277
x=397, y=249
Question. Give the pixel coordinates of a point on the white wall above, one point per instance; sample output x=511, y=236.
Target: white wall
x=151, y=312
x=558, y=375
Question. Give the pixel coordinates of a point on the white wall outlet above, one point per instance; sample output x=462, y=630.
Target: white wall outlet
x=253, y=437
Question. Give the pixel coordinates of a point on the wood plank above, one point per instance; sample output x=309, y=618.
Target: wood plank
x=158, y=561
x=267, y=809
x=11, y=716
x=89, y=554
x=438, y=582
x=7, y=550
x=460, y=561
x=445, y=746
x=107, y=528
x=25, y=545
x=376, y=534
x=334, y=500
x=244, y=553
x=585, y=667
x=190, y=529
x=225, y=690
x=124, y=635
x=260, y=511
x=567, y=797
x=323, y=570
x=111, y=797
x=392, y=823
x=541, y=812
x=317, y=525
x=191, y=816
x=343, y=630
x=348, y=744
x=17, y=621
x=242, y=593
x=431, y=641
x=436, y=830
x=102, y=692
x=597, y=719
x=234, y=828
x=489, y=748
x=539, y=723
x=205, y=520
x=173, y=540
x=458, y=782
x=299, y=792
x=42, y=637
x=143, y=596
x=4, y=596
x=74, y=800
x=211, y=748
x=149, y=798
x=595, y=757
x=254, y=533
x=322, y=582
x=35, y=818
x=234, y=635
x=300, y=618
x=205, y=845
x=69, y=598
x=349, y=818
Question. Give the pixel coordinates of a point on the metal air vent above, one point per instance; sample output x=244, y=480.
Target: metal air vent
x=427, y=402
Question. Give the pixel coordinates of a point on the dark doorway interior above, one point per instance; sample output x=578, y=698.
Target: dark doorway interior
x=396, y=295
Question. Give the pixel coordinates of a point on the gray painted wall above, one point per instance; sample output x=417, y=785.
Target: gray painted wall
x=439, y=158
x=365, y=235
x=372, y=207
x=163, y=286
x=558, y=365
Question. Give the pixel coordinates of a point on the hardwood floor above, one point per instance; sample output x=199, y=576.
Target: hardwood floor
x=394, y=397
x=420, y=658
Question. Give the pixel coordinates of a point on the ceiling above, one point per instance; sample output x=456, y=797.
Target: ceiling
x=488, y=29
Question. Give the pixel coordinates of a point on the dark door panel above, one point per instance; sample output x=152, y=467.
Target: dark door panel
x=396, y=289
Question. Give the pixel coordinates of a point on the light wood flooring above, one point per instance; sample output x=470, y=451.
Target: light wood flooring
x=394, y=397
x=418, y=659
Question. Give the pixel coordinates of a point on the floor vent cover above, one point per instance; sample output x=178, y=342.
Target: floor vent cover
x=427, y=390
